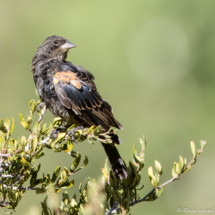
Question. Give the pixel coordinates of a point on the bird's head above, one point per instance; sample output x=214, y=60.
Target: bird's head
x=53, y=47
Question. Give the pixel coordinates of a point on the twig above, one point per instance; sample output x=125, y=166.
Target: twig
x=200, y=151
x=71, y=173
x=19, y=188
x=7, y=176
x=4, y=155
x=44, y=142
x=4, y=204
x=97, y=138
x=152, y=191
x=113, y=209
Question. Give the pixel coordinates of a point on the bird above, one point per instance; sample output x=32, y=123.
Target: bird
x=69, y=92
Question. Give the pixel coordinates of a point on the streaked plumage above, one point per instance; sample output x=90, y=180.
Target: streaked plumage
x=69, y=92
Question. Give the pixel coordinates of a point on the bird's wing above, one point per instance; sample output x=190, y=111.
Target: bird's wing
x=77, y=91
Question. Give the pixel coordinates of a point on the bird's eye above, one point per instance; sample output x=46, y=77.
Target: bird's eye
x=55, y=42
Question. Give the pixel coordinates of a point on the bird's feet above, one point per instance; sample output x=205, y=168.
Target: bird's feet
x=72, y=134
x=55, y=132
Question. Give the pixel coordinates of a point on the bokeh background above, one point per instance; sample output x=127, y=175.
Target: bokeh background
x=153, y=62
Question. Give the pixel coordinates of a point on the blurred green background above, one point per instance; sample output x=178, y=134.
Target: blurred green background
x=153, y=62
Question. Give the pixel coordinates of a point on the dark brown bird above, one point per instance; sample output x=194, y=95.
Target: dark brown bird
x=69, y=92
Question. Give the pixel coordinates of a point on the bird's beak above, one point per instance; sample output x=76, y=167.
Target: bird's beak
x=68, y=45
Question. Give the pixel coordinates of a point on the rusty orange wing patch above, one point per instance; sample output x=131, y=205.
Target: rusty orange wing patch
x=67, y=77
x=75, y=88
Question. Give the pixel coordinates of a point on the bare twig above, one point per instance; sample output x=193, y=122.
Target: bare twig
x=20, y=188
x=114, y=209
x=7, y=176
x=4, y=155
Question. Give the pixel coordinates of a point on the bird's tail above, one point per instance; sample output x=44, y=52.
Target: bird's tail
x=116, y=162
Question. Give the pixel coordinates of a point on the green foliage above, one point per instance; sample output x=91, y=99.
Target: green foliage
x=18, y=156
x=115, y=196
x=105, y=196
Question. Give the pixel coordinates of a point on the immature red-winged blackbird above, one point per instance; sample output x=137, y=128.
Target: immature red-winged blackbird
x=69, y=92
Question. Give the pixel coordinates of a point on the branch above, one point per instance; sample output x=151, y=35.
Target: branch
x=186, y=168
x=19, y=188
x=152, y=191
x=4, y=155
x=114, y=208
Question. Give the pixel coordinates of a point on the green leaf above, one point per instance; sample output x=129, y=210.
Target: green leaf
x=181, y=163
x=85, y=162
x=36, y=128
x=2, y=126
x=203, y=143
x=24, y=162
x=60, y=137
x=69, y=147
x=71, y=183
x=188, y=169
x=40, y=148
x=12, y=127
x=134, y=151
x=29, y=119
x=23, y=122
x=185, y=162
x=133, y=168
x=32, y=106
x=160, y=191
x=1, y=141
x=90, y=140
x=158, y=167
x=38, y=155
x=44, y=205
x=151, y=175
x=80, y=188
x=34, y=144
x=113, y=192
x=7, y=123
x=57, y=121
x=44, y=130
x=2, y=136
x=176, y=168
x=55, y=174
x=25, y=125
x=193, y=148
x=75, y=163
x=107, y=166
x=143, y=142
x=173, y=172
x=23, y=141
x=97, y=131
x=64, y=173
x=90, y=129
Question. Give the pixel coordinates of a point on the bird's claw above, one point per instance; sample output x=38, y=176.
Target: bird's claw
x=72, y=134
x=40, y=106
x=55, y=132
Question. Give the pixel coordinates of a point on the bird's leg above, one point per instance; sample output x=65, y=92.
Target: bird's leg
x=39, y=107
x=72, y=134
